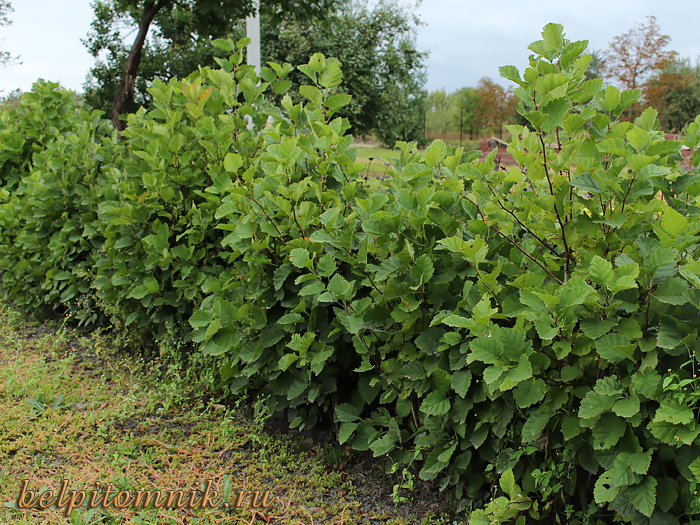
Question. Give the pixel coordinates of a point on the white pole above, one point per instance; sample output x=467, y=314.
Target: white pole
x=253, y=32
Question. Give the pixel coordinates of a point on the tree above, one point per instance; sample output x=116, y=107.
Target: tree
x=383, y=70
x=376, y=46
x=635, y=55
x=5, y=9
x=209, y=18
x=466, y=101
x=495, y=105
x=675, y=94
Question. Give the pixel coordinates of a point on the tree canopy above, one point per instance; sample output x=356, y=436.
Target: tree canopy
x=635, y=55
x=382, y=69
x=203, y=18
x=5, y=9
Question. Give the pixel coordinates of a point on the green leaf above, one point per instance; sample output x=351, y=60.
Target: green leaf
x=609, y=98
x=314, y=288
x=290, y=318
x=299, y=257
x=604, y=490
x=139, y=292
x=672, y=291
x=626, y=407
x=435, y=404
x=570, y=427
x=586, y=182
x=336, y=102
x=608, y=431
x=595, y=404
x=331, y=76
x=346, y=412
x=422, y=271
x=529, y=392
x=600, y=271
x=312, y=93
x=643, y=495
x=201, y=318
x=595, y=328
x=345, y=432
x=436, y=153
x=535, y=424
x=232, y=162
x=387, y=268
x=673, y=411
x=286, y=361
x=695, y=469
x=461, y=381
x=352, y=323
x=517, y=374
x=383, y=445
x=508, y=484
x=553, y=34
x=640, y=461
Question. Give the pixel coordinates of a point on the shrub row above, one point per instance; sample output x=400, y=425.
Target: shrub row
x=527, y=336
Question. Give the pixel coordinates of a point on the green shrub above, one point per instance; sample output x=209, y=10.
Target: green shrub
x=163, y=245
x=54, y=155
x=526, y=336
x=535, y=326
x=41, y=116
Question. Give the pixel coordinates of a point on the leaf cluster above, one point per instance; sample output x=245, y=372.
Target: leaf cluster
x=526, y=336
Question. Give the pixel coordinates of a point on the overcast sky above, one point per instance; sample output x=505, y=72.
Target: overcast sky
x=467, y=40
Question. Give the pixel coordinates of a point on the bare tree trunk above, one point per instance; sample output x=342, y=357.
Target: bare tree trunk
x=124, y=98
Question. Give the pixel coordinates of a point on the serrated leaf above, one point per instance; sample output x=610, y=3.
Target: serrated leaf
x=608, y=431
x=435, y=404
x=201, y=318
x=570, y=427
x=595, y=328
x=345, y=432
x=422, y=271
x=674, y=412
x=232, y=162
x=529, y=392
x=604, y=490
x=346, y=412
x=508, y=484
x=600, y=271
x=461, y=381
x=299, y=257
x=383, y=445
x=643, y=495
x=626, y=407
x=595, y=404
x=535, y=424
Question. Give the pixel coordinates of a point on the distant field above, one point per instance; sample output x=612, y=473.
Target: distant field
x=376, y=157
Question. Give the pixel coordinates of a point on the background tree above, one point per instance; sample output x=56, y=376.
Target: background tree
x=496, y=105
x=675, y=94
x=209, y=18
x=440, y=112
x=466, y=101
x=635, y=55
x=383, y=70
x=5, y=9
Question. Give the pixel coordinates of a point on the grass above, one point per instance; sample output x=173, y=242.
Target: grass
x=72, y=409
x=376, y=160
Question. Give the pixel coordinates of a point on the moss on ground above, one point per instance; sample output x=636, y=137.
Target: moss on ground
x=72, y=409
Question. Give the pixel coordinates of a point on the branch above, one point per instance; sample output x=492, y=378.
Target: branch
x=512, y=241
